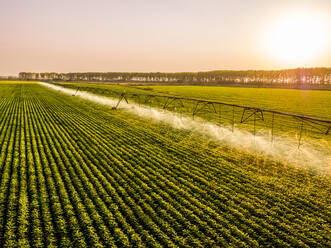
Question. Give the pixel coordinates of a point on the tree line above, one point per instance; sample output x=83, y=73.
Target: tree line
x=299, y=76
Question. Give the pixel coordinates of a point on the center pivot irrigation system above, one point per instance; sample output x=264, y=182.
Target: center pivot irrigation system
x=255, y=119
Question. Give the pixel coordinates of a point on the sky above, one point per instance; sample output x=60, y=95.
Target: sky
x=167, y=35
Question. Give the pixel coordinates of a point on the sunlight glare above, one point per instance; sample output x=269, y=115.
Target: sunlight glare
x=297, y=38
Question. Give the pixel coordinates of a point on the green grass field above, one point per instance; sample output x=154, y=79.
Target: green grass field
x=303, y=102
x=308, y=103
x=17, y=82
x=76, y=174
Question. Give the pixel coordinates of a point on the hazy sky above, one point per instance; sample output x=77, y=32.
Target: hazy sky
x=151, y=35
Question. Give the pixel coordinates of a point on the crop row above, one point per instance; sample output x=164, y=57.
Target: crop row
x=75, y=175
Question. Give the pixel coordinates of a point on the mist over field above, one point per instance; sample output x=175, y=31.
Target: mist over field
x=284, y=148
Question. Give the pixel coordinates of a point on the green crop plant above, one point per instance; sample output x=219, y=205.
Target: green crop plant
x=77, y=174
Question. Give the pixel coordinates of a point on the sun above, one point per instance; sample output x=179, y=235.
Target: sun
x=297, y=38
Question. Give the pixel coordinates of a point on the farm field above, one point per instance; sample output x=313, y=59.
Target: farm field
x=313, y=103
x=304, y=102
x=4, y=82
x=77, y=174
x=265, y=125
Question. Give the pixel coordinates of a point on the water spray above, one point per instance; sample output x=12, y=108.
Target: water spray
x=284, y=148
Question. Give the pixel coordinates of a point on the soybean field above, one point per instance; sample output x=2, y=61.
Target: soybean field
x=74, y=173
